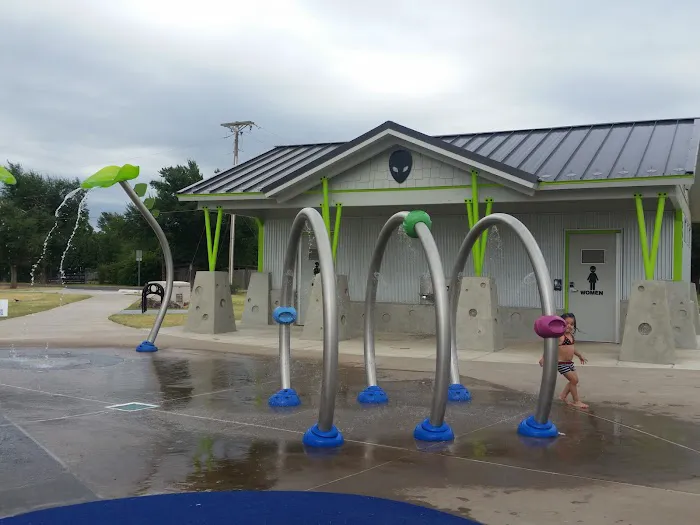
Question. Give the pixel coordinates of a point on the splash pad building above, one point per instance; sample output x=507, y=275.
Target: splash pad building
x=608, y=204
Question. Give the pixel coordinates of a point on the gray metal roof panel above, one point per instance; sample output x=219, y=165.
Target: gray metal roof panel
x=581, y=161
x=599, y=151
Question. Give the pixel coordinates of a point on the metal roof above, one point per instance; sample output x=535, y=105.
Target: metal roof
x=599, y=151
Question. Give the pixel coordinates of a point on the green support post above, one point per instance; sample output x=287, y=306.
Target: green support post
x=325, y=207
x=213, y=246
x=476, y=257
x=649, y=256
x=657, y=230
x=479, y=249
x=336, y=230
x=485, y=235
x=261, y=243
x=207, y=227
x=678, y=245
x=217, y=237
x=475, y=196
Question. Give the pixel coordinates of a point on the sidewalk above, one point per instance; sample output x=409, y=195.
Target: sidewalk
x=84, y=320
x=421, y=347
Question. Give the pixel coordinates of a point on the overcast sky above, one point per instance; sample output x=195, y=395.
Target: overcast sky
x=87, y=83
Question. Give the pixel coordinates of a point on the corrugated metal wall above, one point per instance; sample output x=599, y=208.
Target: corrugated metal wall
x=506, y=259
x=276, y=236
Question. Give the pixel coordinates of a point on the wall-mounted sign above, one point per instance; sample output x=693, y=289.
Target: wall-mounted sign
x=400, y=164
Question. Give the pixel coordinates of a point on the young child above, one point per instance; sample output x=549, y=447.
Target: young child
x=565, y=366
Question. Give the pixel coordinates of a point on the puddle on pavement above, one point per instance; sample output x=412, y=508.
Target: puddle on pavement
x=45, y=360
x=186, y=454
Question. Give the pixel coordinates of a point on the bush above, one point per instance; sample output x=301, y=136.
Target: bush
x=125, y=271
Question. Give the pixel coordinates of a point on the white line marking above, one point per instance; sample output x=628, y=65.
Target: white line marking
x=32, y=421
x=351, y=475
x=637, y=430
x=54, y=394
x=228, y=421
x=42, y=447
x=143, y=406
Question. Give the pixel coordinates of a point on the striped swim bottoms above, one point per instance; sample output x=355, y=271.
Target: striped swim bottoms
x=565, y=367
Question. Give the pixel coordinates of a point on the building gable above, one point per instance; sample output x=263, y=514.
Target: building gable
x=426, y=172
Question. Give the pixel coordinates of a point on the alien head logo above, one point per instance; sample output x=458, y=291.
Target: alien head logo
x=400, y=164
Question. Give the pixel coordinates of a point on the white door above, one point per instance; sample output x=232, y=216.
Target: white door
x=308, y=256
x=593, y=285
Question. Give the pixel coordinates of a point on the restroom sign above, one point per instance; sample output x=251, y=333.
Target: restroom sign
x=3, y=308
x=592, y=281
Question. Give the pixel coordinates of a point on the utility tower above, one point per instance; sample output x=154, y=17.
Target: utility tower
x=237, y=128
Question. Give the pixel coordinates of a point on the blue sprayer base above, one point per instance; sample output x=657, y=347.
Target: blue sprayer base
x=287, y=397
x=372, y=395
x=147, y=346
x=316, y=438
x=531, y=428
x=426, y=432
x=458, y=393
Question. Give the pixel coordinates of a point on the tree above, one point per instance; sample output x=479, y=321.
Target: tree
x=28, y=212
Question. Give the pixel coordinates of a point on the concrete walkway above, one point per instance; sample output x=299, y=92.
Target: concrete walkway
x=87, y=322
x=420, y=347
x=87, y=319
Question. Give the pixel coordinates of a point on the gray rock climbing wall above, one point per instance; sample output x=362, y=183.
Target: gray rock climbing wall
x=478, y=317
x=313, y=316
x=211, y=309
x=648, y=336
x=696, y=313
x=256, y=311
x=682, y=317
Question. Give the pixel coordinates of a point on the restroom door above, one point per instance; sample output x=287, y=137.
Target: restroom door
x=594, y=291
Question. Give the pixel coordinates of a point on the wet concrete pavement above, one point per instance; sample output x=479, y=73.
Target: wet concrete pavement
x=62, y=442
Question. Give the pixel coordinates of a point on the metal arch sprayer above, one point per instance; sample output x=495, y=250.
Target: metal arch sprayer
x=416, y=224
x=324, y=433
x=549, y=326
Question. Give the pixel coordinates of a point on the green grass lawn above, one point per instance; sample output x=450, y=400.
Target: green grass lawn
x=146, y=320
x=24, y=302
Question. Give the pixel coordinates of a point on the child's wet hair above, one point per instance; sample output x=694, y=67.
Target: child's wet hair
x=569, y=315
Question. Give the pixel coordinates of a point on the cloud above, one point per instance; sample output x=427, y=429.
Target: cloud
x=86, y=84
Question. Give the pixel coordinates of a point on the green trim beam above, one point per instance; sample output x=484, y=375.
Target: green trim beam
x=213, y=245
x=649, y=255
x=678, y=245
x=613, y=182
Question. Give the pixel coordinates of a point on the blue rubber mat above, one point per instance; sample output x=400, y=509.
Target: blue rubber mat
x=241, y=508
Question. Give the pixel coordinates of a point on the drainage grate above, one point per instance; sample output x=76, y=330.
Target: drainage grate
x=132, y=407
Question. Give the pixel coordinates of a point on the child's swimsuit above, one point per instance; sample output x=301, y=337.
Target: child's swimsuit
x=565, y=367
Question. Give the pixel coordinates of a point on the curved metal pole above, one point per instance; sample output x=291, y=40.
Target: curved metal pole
x=375, y=265
x=167, y=255
x=442, y=325
x=549, y=372
x=330, y=311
